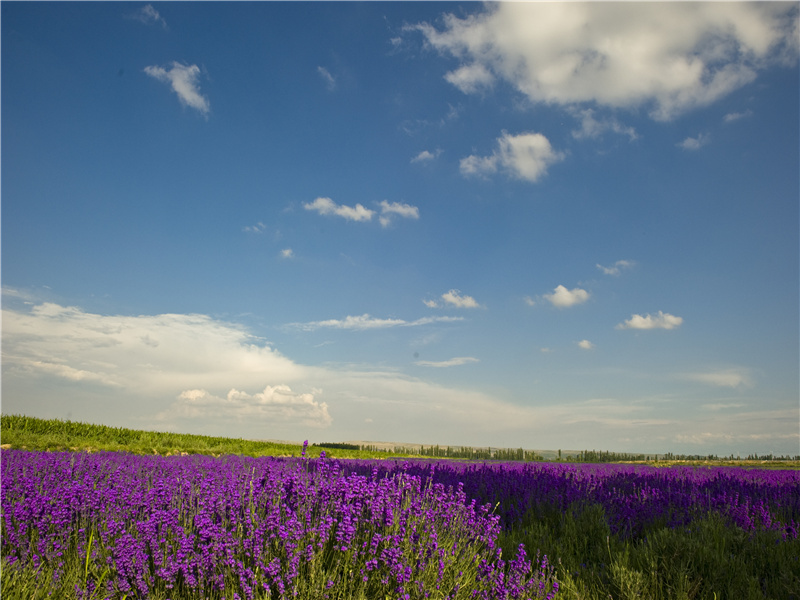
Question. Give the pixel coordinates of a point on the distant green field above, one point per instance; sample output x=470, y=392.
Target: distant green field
x=31, y=433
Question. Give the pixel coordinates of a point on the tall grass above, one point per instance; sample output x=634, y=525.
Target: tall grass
x=708, y=560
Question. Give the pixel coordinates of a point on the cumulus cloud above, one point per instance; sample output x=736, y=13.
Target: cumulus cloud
x=454, y=298
x=524, y=156
x=275, y=403
x=287, y=253
x=695, y=143
x=183, y=79
x=326, y=206
x=453, y=362
x=396, y=208
x=563, y=298
x=365, y=321
x=731, y=378
x=665, y=57
x=661, y=320
x=149, y=16
x=585, y=344
x=617, y=267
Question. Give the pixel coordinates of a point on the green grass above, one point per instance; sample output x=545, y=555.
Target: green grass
x=31, y=433
x=705, y=561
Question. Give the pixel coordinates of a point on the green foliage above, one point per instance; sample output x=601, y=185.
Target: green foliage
x=706, y=561
x=31, y=433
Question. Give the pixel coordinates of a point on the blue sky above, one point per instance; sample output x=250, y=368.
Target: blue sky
x=541, y=225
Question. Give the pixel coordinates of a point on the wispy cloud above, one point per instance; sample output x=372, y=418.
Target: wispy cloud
x=735, y=116
x=661, y=320
x=453, y=362
x=525, y=156
x=731, y=378
x=287, y=253
x=694, y=143
x=585, y=344
x=388, y=210
x=257, y=228
x=149, y=16
x=617, y=267
x=365, y=322
x=593, y=128
x=563, y=298
x=330, y=80
x=426, y=156
x=326, y=206
x=184, y=82
x=454, y=298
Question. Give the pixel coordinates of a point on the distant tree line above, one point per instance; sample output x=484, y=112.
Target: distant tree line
x=337, y=446
x=465, y=452
x=518, y=454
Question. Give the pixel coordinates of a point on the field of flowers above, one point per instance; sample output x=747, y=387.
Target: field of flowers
x=116, y=525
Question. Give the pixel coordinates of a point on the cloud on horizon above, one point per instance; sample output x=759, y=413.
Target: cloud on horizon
x=453, y=362
x=365, y=321
x=193, y=373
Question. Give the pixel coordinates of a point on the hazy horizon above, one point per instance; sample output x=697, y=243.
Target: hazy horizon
x=537, y=225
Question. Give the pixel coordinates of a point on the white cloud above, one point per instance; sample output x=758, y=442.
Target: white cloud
x=329, y=79
x=735, y=116
x=147, y=15
x=196, y=374
x=287, y=253
x=365, y=321
x=426, y=156
x=722, y=405
x=326, y=206
x=731, y=378
x=184, y=81
x=617, y=267
x=585, y=344
x=470, y=78
x=667, y=57
x=257, y=228
x=592, y=128
x=275, y=403
x=454, y=298
x=524, y=156
x=562, y=297
x=691, y=143
x=660, y=321
x=453, y=362
x=396, y=208
x=530, y=301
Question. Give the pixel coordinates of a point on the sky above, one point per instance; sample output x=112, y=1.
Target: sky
x=537, y=225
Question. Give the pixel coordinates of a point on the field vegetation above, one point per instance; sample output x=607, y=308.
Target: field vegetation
x=86, y=515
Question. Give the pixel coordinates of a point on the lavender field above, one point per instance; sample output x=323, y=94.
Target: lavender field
x=117, y=525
